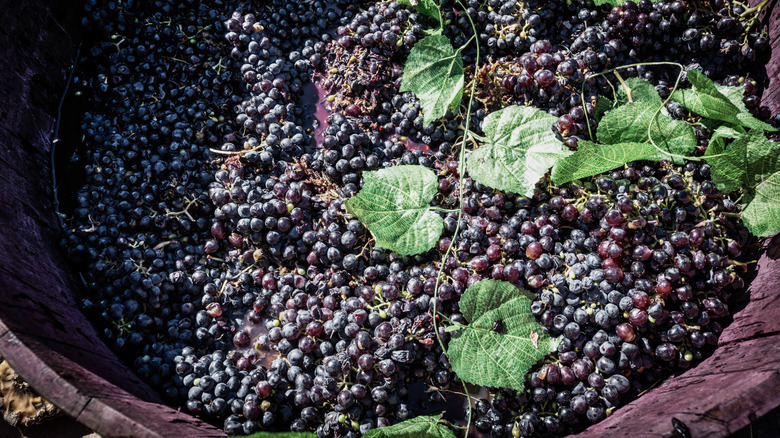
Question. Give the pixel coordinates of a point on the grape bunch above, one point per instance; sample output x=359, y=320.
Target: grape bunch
x=637, y=288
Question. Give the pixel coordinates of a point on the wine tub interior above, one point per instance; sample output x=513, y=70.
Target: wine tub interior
x=50, y=343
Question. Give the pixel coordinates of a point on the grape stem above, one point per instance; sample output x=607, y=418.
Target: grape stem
x=446, y=210
x=57, y=139
x=756, y=8
x=625, y=86
x=461, y=172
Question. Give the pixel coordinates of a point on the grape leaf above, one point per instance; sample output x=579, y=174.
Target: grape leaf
x=641, y=91
x=706, y=100
x=280, y=435
x=422, y=426
x=592, y=159
x=745, y=163
x=727, y=170
x=394, y=205
x=762, y=214
x=735, y=95
x=520, y=147
x=762, y=159
x=500, y=359
x=751, y=163
x=429, y=8
x=629, y=124
x=603, y=104
x=434, y=72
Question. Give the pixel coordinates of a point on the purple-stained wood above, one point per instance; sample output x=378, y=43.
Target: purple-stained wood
x=769, y=74
x=53, y=347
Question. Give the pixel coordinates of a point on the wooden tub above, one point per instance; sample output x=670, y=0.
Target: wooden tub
x=52, y=346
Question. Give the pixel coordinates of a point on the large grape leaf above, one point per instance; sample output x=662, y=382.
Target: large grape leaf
x=519, y=148
x=592, y=159
x=629, y=123
x=762, y=214
x=394, y=205
x=751, y=163
x=500, y=359
x=762, y=157
x=735, y=95
x=422, y=426
x=434, y=73
x=706, y=100
x=429, y=8
x=641, y=91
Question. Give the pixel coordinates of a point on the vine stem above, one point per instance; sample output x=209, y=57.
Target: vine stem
x=461, y=172
x=626, y=88
x=56, y=139
x=446, y=210
x=755, y=8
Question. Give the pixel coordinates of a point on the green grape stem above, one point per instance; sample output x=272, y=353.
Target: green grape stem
x=461, y=172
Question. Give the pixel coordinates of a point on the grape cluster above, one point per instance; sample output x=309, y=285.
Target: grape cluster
x=636, y=289
x=219, y=260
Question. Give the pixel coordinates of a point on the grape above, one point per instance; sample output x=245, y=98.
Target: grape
x=626, y=332
x=534, y=250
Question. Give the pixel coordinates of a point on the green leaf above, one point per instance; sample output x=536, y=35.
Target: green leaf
x=705, y=99
x=592, y=159
x=750, y=163
x=641, y=91
x=745, y=163
x=280, y=435
x=629, y=124
x=762, y=214
x=727, y=170
x=520, y=147
x=735, y=95
x=603, y=104
x=727, y=131
x=434, y=72
x=762, y=159
x=482, y=356
x=394, y=205
x=422, y=426
x=429, y=8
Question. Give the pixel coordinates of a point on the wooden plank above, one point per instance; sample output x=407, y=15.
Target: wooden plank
x=768, y=76
x=93, y=400
x=737, y=384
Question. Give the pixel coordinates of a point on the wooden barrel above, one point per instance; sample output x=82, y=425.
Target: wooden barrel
x=43, y=334
x=52, y=346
